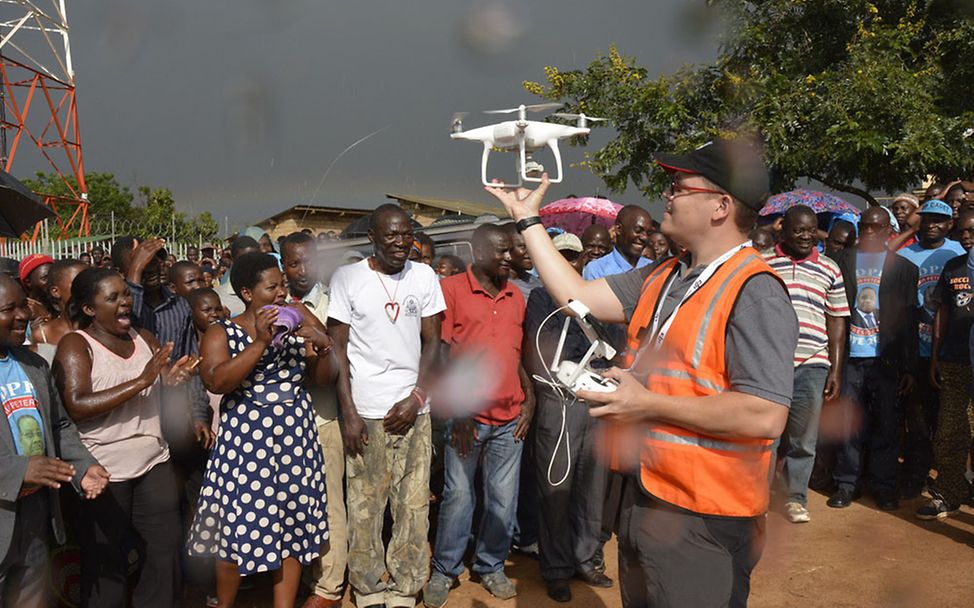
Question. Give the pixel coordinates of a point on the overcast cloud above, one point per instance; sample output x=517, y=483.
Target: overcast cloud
x=239, y=106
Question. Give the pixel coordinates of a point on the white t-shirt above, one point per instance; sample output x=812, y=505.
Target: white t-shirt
x=383, y=356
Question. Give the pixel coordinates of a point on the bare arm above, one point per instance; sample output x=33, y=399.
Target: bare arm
x=562, y=281
x=355, y=435
x=836, y=328
x=403, y=414
x=318, y=346
x=220, y=372
x=339, y=337
x=430, y=335
x=527, y=407
x=897, y=242
x=72, y=374
x=730, y=414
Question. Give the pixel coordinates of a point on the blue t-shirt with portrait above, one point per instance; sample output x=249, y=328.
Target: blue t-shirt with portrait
x=930, y=263
x=864, y=321
x=20, y=408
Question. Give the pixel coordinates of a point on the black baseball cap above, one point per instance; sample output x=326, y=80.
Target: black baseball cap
x=735, y=165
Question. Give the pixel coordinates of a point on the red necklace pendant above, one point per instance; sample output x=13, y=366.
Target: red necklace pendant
x=392, y=311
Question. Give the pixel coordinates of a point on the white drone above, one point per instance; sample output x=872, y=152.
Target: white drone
x=524, y=137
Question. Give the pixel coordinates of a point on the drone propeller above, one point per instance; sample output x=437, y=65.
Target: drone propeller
x=568, y=116
x=538, y=107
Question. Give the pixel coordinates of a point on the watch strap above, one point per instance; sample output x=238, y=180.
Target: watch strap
x=526, y=223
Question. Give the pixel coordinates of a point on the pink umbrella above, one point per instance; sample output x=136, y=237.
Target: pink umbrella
x=576, y=214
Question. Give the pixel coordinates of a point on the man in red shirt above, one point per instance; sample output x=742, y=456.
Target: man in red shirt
x=490, y=404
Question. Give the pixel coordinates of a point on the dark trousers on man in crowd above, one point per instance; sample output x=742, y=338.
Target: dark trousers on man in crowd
x=23, y=571
x=571, y=512
x=140, y=515
x=955, y=428
x=873, y=424
x=920, y=417
x=671, y=557
x=528, y=499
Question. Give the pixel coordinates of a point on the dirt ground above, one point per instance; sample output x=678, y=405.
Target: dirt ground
x=856, y=557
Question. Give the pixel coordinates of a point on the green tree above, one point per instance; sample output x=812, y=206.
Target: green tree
x=105, y=194
x=160, y=218
x=152, y=215
x=862, y=96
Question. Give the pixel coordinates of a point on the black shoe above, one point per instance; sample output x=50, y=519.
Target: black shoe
x=936, y=508
x=594, y=577
x=559, y=590
x=888, y=503
x=841, y=499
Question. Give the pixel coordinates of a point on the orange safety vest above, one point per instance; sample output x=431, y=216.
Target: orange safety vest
x=700, y=473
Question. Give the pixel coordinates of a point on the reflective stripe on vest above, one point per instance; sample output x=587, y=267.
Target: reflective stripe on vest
x=706, y=442
x=685, y=375
x=701, y=473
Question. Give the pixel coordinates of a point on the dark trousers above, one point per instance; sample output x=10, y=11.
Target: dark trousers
x=669, y=558
x=920, y=417
x=526, y=528
x=142, y=515
x=23, y=570
x=571, y=512
x=873, y=424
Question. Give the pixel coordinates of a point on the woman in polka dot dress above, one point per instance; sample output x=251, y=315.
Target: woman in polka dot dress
x=262, y=506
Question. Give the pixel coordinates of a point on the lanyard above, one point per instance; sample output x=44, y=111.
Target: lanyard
x=659, y=333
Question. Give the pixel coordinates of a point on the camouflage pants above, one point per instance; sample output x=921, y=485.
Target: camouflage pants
x=952, y=441
x=393, y=469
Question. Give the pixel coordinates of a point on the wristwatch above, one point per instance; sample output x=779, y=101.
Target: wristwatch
x=526, y=223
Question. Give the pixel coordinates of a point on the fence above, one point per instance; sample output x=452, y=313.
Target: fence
x=72, y=248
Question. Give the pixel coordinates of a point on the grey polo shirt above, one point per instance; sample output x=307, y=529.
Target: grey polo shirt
x=761, y=337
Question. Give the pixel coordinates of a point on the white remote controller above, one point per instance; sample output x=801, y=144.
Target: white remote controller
x=583, y=380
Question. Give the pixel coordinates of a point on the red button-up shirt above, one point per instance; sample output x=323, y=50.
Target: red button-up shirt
x=488, y=330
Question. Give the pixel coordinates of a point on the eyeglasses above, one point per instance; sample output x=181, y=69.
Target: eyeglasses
x=873, y=226
x=676, y=189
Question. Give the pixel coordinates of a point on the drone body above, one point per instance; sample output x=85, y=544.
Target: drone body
x=522, y=137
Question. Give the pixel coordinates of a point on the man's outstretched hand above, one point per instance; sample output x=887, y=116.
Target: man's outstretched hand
x=520, y=203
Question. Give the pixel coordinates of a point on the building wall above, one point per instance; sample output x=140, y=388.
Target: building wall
x=317, y=222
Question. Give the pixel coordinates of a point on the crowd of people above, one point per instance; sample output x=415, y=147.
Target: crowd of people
x=382, y=422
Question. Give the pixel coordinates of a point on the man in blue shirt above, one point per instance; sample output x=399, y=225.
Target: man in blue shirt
x=882, y=360
x=632, y=228
x=929, y=254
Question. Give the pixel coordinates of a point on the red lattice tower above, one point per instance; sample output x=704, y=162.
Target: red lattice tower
x=38, y=113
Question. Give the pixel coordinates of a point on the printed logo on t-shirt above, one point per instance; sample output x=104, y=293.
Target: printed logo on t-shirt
x=23, y=416
x=961, y=287
x=864, y=325
x=410, y=306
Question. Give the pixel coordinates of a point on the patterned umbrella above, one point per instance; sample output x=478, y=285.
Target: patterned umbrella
x=820, y=202
x=576, y=214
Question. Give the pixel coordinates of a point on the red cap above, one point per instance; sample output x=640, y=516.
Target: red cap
x=32, y=263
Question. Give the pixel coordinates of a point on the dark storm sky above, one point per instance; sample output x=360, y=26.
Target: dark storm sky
x=239, y=106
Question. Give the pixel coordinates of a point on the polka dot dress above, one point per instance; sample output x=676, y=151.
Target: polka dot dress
x=263, y=496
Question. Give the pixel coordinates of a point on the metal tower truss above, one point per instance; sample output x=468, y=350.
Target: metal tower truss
x=38, y=113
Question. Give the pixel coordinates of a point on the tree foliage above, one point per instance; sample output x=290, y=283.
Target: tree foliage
x=861, y=95
x=153, y=214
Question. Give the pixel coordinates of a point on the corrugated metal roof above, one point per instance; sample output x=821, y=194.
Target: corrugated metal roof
x=450, y=205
